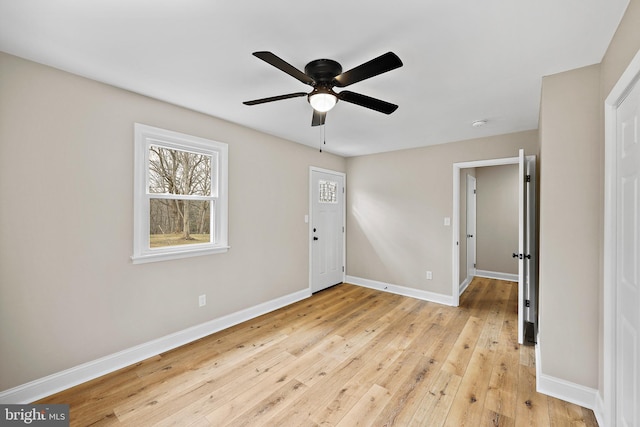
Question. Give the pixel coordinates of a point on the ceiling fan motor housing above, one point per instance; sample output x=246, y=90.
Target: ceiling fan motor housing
x=323, y=70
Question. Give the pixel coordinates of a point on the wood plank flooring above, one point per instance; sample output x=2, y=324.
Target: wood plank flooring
x=347, y=356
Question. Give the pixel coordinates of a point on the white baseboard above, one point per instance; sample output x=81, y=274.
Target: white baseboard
x=598, y=411
x=497, y=275
x=34, y=390
x=564, y=390
x=401, y=290
x=464, y=285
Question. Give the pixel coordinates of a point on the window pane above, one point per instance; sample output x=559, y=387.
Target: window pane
x=179, y=172
x=168, y=227
x=328, y=192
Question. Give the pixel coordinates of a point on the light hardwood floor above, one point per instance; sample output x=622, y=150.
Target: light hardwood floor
x=346, y=356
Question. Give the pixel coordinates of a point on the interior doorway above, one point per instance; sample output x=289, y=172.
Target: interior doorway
x=489, y=223
x=526, y=253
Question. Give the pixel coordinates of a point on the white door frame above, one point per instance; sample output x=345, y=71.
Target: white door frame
x=310, y=224
x=457, y=167
x=615, y=98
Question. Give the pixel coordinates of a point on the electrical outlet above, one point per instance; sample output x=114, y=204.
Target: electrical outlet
x=429, y=275
x=202, y=300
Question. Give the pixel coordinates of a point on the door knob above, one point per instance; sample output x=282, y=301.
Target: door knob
x=315, y=238
x=469, y=235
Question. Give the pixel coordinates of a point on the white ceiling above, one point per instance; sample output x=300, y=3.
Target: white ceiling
x=463, y=59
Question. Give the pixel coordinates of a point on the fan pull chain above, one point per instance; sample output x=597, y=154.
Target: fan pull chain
x=324, y=137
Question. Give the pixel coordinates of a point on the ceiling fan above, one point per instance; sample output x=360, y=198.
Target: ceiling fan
x=325, y=74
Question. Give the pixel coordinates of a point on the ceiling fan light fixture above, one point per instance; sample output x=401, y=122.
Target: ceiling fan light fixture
x=325, y=74
x=322, y=101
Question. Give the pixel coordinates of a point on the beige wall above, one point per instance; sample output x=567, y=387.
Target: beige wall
x=68, y=290
x=571, y=210
x=624, y=45
x=497, y=218
x=396, y=205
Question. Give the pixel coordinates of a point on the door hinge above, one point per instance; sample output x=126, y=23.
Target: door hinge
x=528, y=178
x=474, y=265
x=474, y=191
x=521, y=256
x=343, y=268
x=343, y=228
x=527, y=303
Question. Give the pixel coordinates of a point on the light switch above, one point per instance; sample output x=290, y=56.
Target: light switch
x=447, y=221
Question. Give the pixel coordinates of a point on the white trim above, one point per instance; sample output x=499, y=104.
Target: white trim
x=522, y=244
x=615, y=98
x=344, y=220
x=489, y=162
x=497, y=275
x=59, y=381
x=567, y=391
x=401, y=290
x=562, y=389
x=609, y=264
x=464, y=285
x=455, y=244
x=141, y=259
x=599, y=410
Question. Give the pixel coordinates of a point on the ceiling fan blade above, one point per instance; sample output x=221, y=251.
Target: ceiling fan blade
x=318, y=118
x=282, y=65
x=275, y=98
x=367, y=102
x=387, y=62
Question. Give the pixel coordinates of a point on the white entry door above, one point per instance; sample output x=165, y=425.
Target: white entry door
x=327, y=228
x=471, y=227
x=628, y=260
x=527, y=255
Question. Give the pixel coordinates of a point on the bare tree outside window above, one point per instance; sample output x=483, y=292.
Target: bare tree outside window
x=179, y=220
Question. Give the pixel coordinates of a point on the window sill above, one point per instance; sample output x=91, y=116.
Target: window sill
x=167, y=256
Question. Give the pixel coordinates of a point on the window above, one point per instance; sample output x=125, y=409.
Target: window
x=180, y=195
x=328, y=191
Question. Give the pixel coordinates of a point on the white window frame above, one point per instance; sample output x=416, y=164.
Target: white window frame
x=146, y=136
